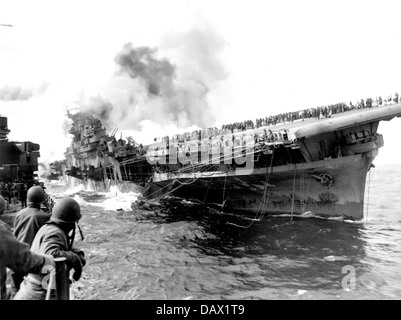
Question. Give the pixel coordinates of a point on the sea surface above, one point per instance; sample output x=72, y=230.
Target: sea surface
x=176, y=249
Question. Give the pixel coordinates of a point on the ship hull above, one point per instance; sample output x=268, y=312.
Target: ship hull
x=326, y=188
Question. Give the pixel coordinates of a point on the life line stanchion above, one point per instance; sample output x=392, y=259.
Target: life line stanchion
x=71, y=289
x=62, y=283
x=51, y=284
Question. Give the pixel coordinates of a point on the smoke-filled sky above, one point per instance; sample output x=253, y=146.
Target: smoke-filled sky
x=151, y=68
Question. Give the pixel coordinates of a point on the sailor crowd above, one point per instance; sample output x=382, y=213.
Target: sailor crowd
x=317, y=113
x=31, y=241
x=14, y=192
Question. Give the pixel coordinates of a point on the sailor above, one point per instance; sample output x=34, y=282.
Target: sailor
x=55, y=238
x=3, y=205
x=337, y=150
x=23, y=195
x=16, y=255
x=4, y=193
x=27, y=223
x=29, y=220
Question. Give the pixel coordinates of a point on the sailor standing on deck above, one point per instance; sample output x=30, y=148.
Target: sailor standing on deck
x=16, y=255
x=55, y=238
x=27, y=223
x=23, y=195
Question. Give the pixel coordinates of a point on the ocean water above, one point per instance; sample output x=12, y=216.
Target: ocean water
x=177, y=249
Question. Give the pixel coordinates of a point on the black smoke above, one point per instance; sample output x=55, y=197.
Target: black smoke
x=169, y=85
x=141, y=63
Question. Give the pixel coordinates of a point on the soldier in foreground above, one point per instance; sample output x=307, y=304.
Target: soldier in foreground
x=16, y=255
x=55, y=238
x=27, y=223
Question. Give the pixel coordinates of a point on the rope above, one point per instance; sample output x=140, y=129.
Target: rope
x=207, y=190
x=293, y=192
x=204, y=167
x=367, y=200
x=166, y=186
x=187, y=183
x=172, y=190
x=264, y=202
x=302, y=192
x=307, y=194
x=224, y=194
x=181, y=185
x=265, y=199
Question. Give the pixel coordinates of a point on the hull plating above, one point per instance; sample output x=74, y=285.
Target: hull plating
x=329, y=188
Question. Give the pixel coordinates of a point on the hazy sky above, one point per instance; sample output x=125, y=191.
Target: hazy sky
x=214, y=62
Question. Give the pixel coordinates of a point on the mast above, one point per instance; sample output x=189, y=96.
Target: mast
x=4, y=131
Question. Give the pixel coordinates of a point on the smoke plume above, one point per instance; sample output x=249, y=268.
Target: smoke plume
x=18, y=93
x=168, y=86
x=140, y=63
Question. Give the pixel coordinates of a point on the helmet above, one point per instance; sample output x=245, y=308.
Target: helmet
x=66, y=210
x=36, y=194
x=3, y=204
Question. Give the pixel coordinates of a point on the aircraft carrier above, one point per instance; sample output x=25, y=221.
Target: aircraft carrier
x=310, y=161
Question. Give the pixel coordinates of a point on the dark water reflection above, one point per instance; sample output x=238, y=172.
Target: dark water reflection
x=181, y=250
x=177, y=249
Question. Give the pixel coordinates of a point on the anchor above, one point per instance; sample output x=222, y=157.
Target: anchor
x=324, y=178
